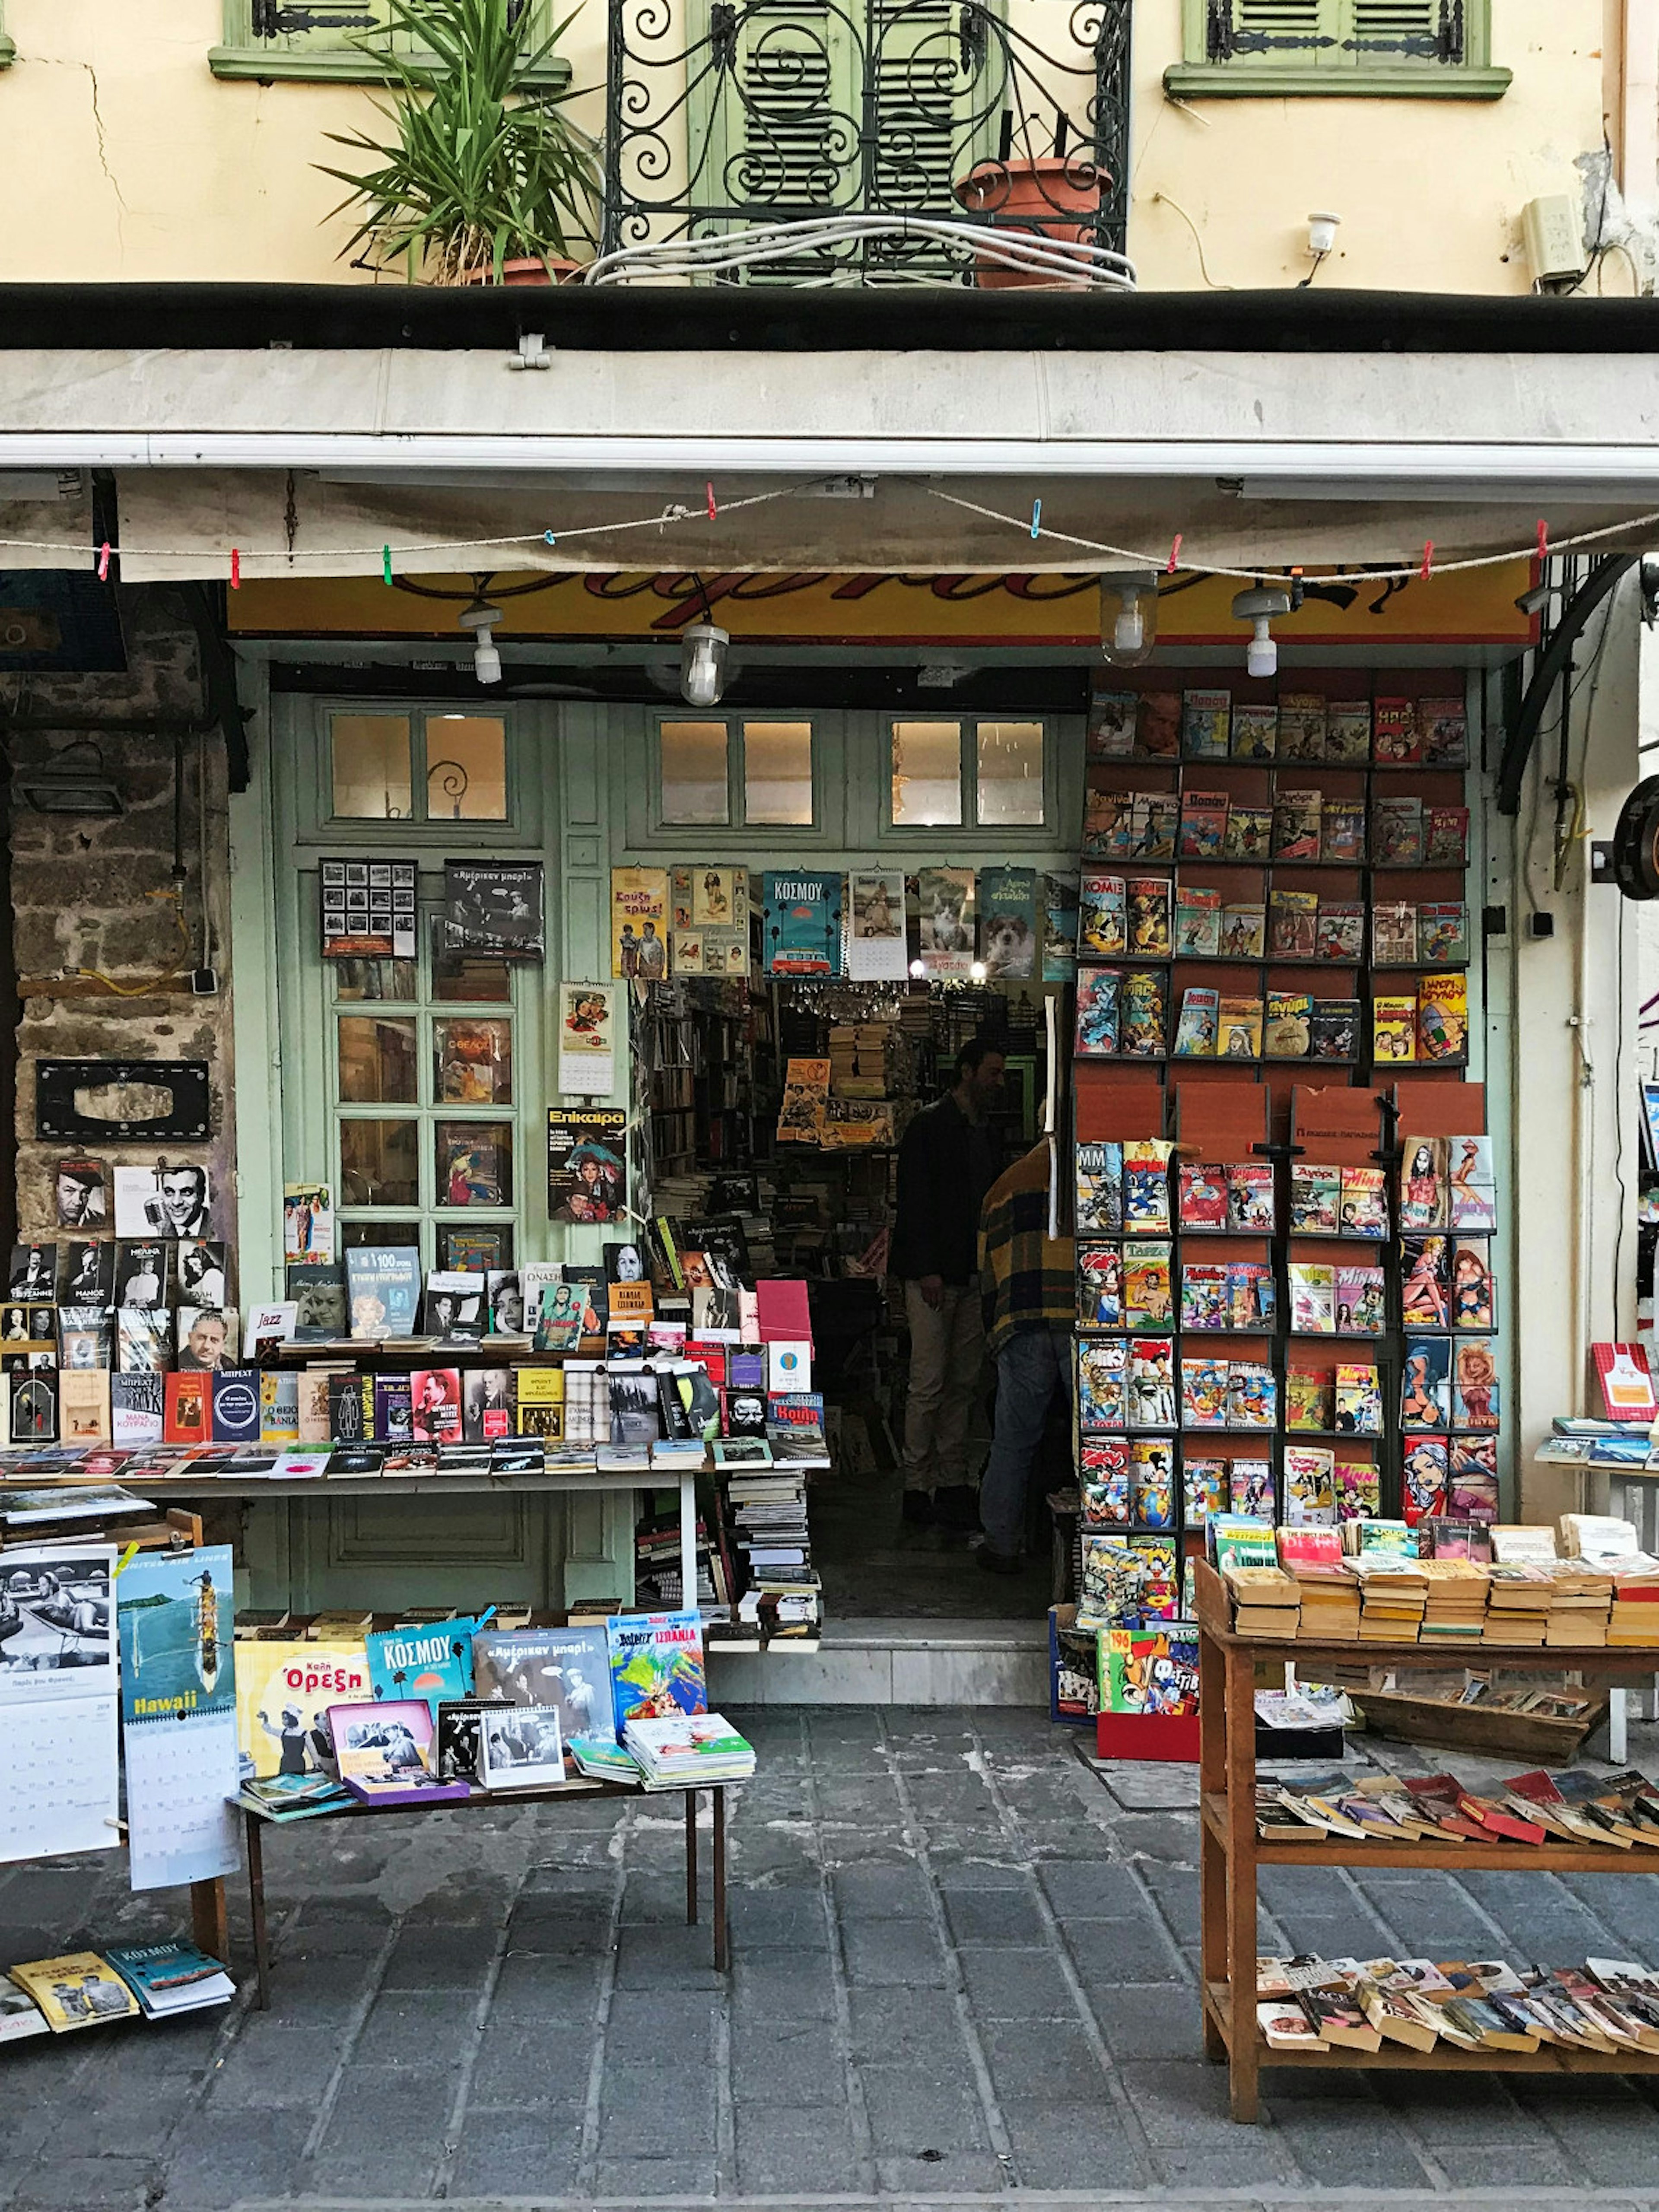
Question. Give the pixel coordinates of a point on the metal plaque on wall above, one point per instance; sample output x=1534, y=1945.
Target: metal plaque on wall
x=61, y=1085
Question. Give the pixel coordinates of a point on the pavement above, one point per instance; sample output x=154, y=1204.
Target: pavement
x=962, y=1975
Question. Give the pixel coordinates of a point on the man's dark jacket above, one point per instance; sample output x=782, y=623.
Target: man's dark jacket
x=945, y=1166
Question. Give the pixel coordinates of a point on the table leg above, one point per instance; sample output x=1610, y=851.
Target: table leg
x=722, y=1947
x=256, y=1891
x=209, y=1919
x=1240, y=1883
x=1618, y=1721
x=687, y=1540
x=690, y=1858
x=1213, y=1862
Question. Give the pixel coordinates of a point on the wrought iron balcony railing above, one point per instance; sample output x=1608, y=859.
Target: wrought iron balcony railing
x=815, y=141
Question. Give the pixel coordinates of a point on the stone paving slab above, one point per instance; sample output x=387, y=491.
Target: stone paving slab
x=963, y=1976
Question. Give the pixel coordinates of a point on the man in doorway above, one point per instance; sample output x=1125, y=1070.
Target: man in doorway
x=1030, y=1305
x=946, y=1164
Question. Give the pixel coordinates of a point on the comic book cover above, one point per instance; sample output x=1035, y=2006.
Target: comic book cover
x=1243, y=930
x=1204, y=1295
x=1148, y=900
x=1104, y=1482
x=1292, y=925
x=1151, y=1383
x=1364, y=1202
x=1146, y=1287
x=1251, y=1301
x=1393, y=935
x=1442, y=1017
x=1297, y=820
x=1203, y=831
x=1252, y=1395
x=1425, y=1383
x=1361, y=1309
x=1442, y=932
x=1255, y=731
x=656, y=1666
x=1057, y=897
x=1348, y=731
x=1099, y=1013
x=1424, y=1202
x=1425, y=1469
x=1396, y=742
x=1397, y=832
x=1339, y=934
x=1099, y=1190
x=1474, y=1298
x=1252, y=1206
x=1316, y=1195
x=1446, y=836
x=1102, y=916
x=1359, y=1490
x=1250, y=1489
x=1107, y=821
x=1472, y=1480
x=1249, y=832
x=1159, y=726
x=1313, y=1298
x=1154, y=820
x=1300, y=726
x=1197, y=922
x=1149, y=1670
x=1206, y=720
x=1474, y=1384
x=1196, y=1024
x=1359, y=1400
x=1152, y=1482
x=1239, y=1035
x=1099, y=1286
x=1309, y=1486
x=1333, y=1030
x=1203, y=1394
x=1445, y=724
x=1287, y=1027
x=1203, y=1489
x=1342, y=831
x=1147, y=1186
x=1309, y=1399
x=1102, y=1371
x=1201, y=1196
x=1425, y=1279
x=1393, y=1029
x=1111, y=733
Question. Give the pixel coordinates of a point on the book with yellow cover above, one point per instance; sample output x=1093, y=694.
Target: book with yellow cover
x=1393, y=1029
x=79, y=1989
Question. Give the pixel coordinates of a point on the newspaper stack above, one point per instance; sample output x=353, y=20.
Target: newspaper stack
x=692, y=1750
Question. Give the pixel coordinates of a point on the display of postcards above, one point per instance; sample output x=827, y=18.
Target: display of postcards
x=1146, y=1287
x=1313, y=1298
x=1104, y=1482
x=1340, y=931
x=1244, y=930
x=1107, y=822
x=1249, y=832
x=1425, y=1383
x=1394, y=935
x=1197, y=922
x=1143, y=1014
x=1151, y=1383
x=1204, y=1295
x=1292, y=925
x=1446, y=836
x=1101, y=922
x=1238, y=1030
x=1474, y=1384
x=1361, y=1301
x=1424, y=1200
x=1252, y=1395
x=86, y=1337
x=1443, y=724
x=1147, y=1186
x=1348, y=731
x=1250, y=1489
x=1148, y=903
x=1394, y=1028
x=1154, y=819
x=1255, y=731
x=1342, y=829
x=1110, y=732
x=369, y=910
x=1196, y=1024
x=1442, y=933
x=88, y=1273
x=1205, y=719
x=1099, y=1191
x=1333, y=1030
x=1359, y=1490
x=1442, y=1017
x=1101, y=1372
x=1309, y=1399
x=1363, y=1202
x=1472, y=1480
x=1473, y=1293
x=1160, y=725
x=1200, y=1196
x=1152, y=1482
x=1300, y=726
x=1424, y=1279
x=144, y=1339
x=1395, y=739
x=1252, y=1204
x=1286, y=1030
x=1316, y=1199
x=1397, y=832
x=1203, y=1489
x=1203, y=1394
x=1309, y=1486
x=1252, y=1298
x=1359, y=1400
x=1297, y=819
x=1099, y=1286
x=1424, y=1472
x=141, y=1274
x=1099, y=1012
x=1203, y=829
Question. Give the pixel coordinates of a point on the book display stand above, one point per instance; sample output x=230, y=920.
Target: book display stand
x=1231, y=1853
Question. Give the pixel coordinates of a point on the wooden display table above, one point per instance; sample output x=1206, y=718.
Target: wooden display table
x=1231, y=1850
x=501, y=1801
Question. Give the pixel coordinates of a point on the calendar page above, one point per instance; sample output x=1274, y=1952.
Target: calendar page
x=58, y=1701
x=179, y=1714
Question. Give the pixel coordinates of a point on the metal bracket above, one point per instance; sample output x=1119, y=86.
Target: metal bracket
x=532, y=352
x=271, y=20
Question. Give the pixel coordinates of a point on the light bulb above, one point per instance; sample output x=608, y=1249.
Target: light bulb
x=919, y=969
x=486, y=661
x=702, y=665
x=1129, y=617
x=1261, y=654
x=977, y=971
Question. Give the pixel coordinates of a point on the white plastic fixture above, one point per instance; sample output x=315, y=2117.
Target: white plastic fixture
x=702, y=665
x=1129, y=617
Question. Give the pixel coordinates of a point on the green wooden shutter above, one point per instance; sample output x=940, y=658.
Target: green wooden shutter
x=1420, y=49
x=1270, y=33
x=317, y=39
x=1406, y=34
x=777, y=130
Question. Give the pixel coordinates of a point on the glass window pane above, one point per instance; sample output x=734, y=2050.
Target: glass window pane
x=926, y=775
x=377, y=1061
x=476, y=1251
x=777, y=771
x=379, y=1164
x=474, y=1163
x=1010, y=773
x=467, y=978
x=465, y=768
x=474, y=1063
x=371, y=767
x=355, y=1235
x=694, y=781
x=361, y=979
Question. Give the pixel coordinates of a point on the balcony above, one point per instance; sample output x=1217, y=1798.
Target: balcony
x=874, y=143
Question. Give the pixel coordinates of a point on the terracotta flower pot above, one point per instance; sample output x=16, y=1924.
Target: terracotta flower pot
x=530, y=271
x=1036, y=197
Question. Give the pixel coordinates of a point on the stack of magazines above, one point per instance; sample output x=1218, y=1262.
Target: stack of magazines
x=694, y=1749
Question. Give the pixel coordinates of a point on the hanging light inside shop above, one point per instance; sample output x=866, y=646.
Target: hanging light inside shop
x=481, y=619
x=1128, y=616
x=702, y=665
x=1258, y=607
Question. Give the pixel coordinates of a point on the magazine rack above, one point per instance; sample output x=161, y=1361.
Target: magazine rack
x=1231, y=1852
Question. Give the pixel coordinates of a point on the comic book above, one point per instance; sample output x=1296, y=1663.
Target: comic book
x=1205, y=719
x=1426, y=1470
x=1425, y=1383
x=1442, y=1017
x=1148, y=898
x=1339, y=934
x=1425, y=1279
x=1158, y=725
x=1359, y=1489
x=1152, y=1482
x=1201, y=1196
x=1446, y=836
x=1110, y=732
x=1147, y=1186
x=1249, y=832
x=1252, y=1395
x=1361, y=1308
x=1309, y=1399
x=1251, y=1299
x=1252, y=1206
x=1424, y=1199
x=1287, y=1027
x=1203, y=1394
x=1243, y=930
x=1300, y=726
x=1102, y=1372
x=656, y=1666
x=1103, y=1483
x=1445, y=726
x=1255, y=731
x=1473, y=1297
x=1250, y=1489
x=1309, y=1486
x=1393, y=1029
x=1203, y=832
x=1313, y=1298
x=1099, y=1286
x=1397, y=832
x=1102, y=916
x=1203, y=1489
x=1204, y=1295
x=1393, y=935
x=1296, y=824
x=1197, y=922
x=1099, y=1012
x=1442, y=932
x=1196, y=1024
x=1099, y=1190
x=1292, y=925
x=1348, y=730
x=1315, y=1195
x=1342, y=831
x=1107, y=822
x=1396, y=742
x=1151, y=1383
x=1154, y=820
x=1333, y=1030
x=1359, y=1400
x=1146, y=1287
x=1364, y=1202
x=1474, y=1384
x=1238, y=1032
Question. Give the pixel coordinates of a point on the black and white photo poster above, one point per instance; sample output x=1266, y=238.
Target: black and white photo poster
x=495, y=908
x=58, y=1703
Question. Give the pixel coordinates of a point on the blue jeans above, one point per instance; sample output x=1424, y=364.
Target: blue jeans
x=1031, y=1368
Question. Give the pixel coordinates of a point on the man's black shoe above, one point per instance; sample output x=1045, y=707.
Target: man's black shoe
x=998, y=1563
x=918, y=1509
x=956, y=1507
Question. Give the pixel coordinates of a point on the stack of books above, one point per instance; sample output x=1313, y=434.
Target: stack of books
x=1518, y=1601
x=1330, y=1604
x=1395, y=1597
x=1479, y=2006
x=1266, y=1601
x=1581, y=1600
x=1635, y=1615
x=1454, y=1602
x=692, y=1749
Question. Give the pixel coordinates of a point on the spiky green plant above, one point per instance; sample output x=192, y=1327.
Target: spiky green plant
x=481, y=166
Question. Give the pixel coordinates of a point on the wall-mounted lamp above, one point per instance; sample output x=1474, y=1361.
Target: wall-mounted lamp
x=1128, y=616
x=58, y=787
x=1258, y=607
x=481, y=619
x=702, y=665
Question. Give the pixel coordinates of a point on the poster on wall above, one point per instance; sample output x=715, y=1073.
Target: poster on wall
x=307, y=1225
x=801, y=931
x=175, y=1615
x=875, y=948
x=57, y=1701
x=1007, y=924
x=1057, y=895
x=494, y=909
x=711, y=921
x=945, y=924
x=588, y=1038
x=82, y=1192
x=162, y=1201
x=639, y=923
x=586, y=1163
x=369, y=910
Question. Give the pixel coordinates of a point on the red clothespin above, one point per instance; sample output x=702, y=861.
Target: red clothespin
x=236, y=570
x=713, y=510
x=1428, y=559
x=1175, y=555
x=103, y=562
x=1543, y=541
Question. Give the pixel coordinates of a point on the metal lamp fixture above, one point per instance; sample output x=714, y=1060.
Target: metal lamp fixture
x=58, y=787
x=1258, y=607
x=481, y=619
x=1128, y=616
x=702, y=664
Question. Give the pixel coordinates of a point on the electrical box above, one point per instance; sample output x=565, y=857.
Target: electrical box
x=1554, y=239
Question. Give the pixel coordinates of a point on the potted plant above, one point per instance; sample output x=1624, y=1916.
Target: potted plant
x=486, y=179
x=1053, y=196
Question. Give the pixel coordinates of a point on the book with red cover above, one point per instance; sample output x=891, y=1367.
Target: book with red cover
x=1628, y=1393
x=1310, y=1547
x=711, y=1357
x=1440, y=1796
x=187, y=1400
x=1486, y=1814
x=782, y=1310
